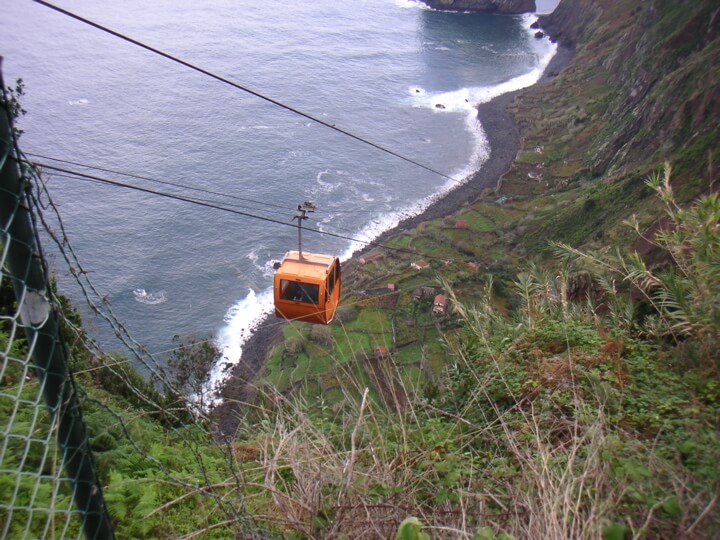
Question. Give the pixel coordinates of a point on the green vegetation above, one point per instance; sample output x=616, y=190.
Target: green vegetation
x=571, y=389
x=585, y=411
x=559, y=421
x=569, y=418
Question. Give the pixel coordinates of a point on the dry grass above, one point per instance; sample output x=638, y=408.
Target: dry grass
x=534, y=457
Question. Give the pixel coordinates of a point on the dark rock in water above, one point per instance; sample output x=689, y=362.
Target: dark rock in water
x=535, y=25
x=439, y=106
x=504, y=7
x=417, y=90
x=539, y=34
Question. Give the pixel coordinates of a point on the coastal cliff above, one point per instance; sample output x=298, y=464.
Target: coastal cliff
x=504, y=7
x=644, y=86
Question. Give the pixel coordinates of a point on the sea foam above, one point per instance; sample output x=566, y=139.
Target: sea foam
x=150, y=298
x=240, y=321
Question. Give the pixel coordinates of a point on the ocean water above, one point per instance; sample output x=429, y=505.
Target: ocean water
x=375, y=68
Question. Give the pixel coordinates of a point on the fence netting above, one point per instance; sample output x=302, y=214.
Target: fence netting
x=90, y=446
x=39, y=414
x=35, y=491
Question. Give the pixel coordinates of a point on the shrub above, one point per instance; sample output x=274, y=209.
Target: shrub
x=683, y=290
x=295, y=345
x=346, y=314
x=322, y=334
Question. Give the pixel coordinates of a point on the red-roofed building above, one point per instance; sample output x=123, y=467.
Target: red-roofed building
x=440, y=304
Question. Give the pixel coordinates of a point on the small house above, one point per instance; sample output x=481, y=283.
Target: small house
x=440, y=305
x=420, y=265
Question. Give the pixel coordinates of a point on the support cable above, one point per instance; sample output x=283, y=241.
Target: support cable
x=289, y=208
x=164, y=182
x=101, y=180
x=238, y=86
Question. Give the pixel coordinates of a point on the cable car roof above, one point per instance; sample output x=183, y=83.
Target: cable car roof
x=312, y=265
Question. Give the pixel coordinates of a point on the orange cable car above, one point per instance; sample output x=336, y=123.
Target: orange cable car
x=307, y=285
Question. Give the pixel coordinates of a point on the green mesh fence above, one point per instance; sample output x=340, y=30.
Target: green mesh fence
x=156, y=448
x=48, y=484
x=35, y=492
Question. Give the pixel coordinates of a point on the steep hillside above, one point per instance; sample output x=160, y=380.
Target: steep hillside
x=644, y=85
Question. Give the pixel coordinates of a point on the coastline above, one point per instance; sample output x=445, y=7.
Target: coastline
x=504, y=142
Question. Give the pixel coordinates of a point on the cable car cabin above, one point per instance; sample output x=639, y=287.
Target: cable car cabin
x=307, y=289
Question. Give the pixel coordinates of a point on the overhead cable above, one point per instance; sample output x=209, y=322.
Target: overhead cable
x=182, y=198
x=289, y=208
x=164, y=182
x=240, y=87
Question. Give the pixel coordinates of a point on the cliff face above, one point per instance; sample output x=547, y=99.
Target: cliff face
x=571, y=21
x=504, y=7
x=650, y=76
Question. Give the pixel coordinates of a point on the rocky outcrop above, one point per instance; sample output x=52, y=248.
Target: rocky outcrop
x=504, y=7
x=571, y=21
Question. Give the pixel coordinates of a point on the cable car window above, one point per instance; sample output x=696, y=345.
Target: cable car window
x=298, y=291
x=331, y=281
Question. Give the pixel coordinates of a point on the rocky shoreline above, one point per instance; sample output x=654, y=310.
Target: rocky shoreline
x=504, y=141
